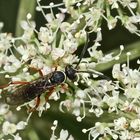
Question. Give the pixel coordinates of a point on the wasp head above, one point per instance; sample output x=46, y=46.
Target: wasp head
x=70, y=72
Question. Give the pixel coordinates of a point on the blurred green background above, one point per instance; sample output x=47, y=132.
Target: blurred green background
x=11, y=13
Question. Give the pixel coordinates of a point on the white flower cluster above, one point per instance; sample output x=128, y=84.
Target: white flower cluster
x=119, y=129
x=53, y=47
x=124, y=102
x=64, y=135
x=98, y=10
x=9, y=127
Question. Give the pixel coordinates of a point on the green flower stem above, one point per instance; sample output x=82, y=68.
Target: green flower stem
x=134, y=49
x=61, y=41
x=109, y=117
x=25, y=7
x=91, y=118
x=33, y=135
x=108, y=9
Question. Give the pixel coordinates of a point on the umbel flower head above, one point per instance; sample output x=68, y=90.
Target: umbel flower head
x=51, y=49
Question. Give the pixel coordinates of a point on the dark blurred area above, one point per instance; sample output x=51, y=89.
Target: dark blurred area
x=111, y=40
x=8, y=14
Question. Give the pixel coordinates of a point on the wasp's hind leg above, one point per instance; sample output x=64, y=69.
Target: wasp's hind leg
x=14, y=83
x=36, y=104
x=38, y=100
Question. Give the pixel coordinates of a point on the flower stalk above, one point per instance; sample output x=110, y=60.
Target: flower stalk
x=32, y=62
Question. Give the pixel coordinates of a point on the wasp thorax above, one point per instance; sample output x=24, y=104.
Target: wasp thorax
x=70, y=72
x=57, y=77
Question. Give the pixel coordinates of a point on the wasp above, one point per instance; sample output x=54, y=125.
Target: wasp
x=31, y=90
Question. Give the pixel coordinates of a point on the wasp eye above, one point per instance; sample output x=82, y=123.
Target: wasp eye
x=70, y=72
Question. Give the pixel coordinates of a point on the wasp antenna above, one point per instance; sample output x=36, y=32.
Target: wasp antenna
x=99, y=74
x=84, y=50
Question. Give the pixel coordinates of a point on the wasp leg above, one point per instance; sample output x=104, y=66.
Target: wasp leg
x=14, y=83
x=64, y=86
x=36, y=104
x=55, y=68
x=19, y=82
x=49, y=94
x=4, y=86
x=37, y=70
